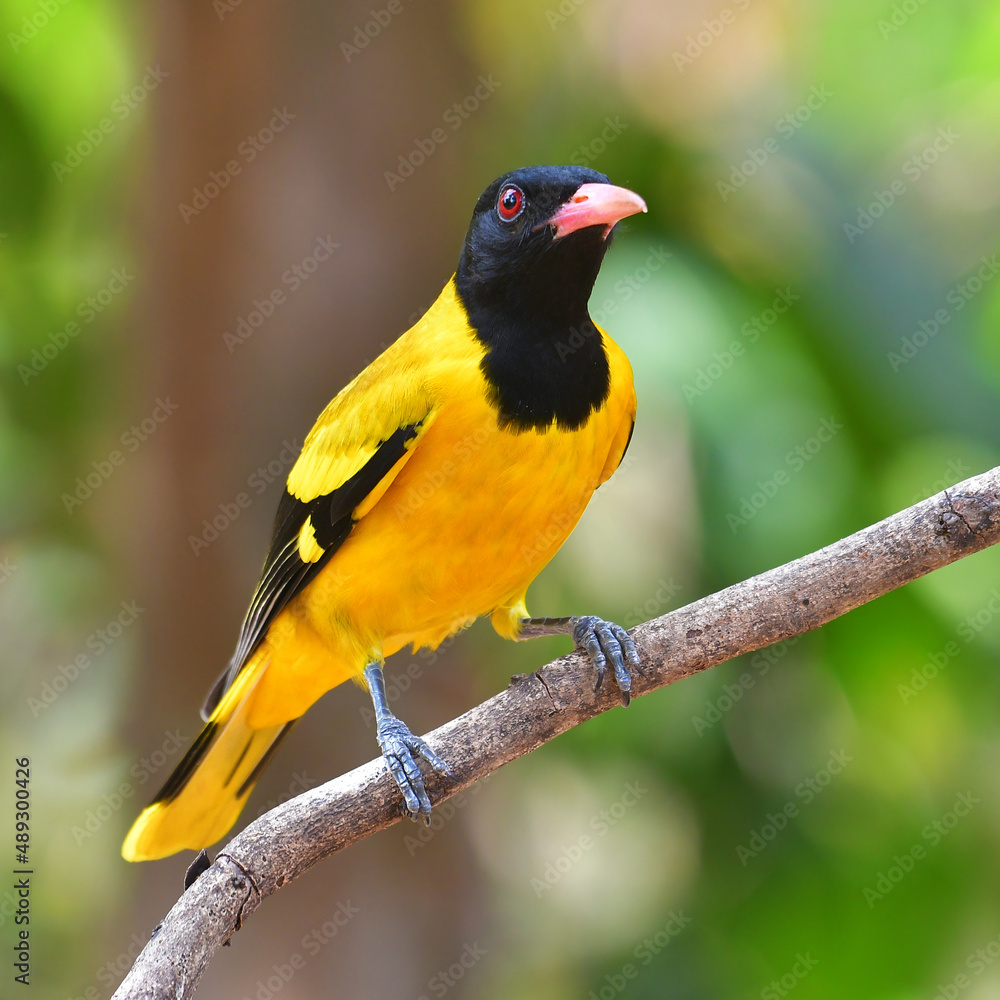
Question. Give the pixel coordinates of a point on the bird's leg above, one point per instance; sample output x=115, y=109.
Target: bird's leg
x=602, y=641
x=398, y=747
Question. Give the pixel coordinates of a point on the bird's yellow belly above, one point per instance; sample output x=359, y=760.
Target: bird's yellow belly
x=469, y=522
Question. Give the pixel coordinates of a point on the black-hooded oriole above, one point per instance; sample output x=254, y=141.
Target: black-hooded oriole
x=431, y=491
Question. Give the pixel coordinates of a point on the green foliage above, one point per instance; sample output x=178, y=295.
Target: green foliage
x=59, y=243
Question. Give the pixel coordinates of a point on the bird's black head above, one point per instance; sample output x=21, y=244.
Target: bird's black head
x=530, y=260
x=537, y=239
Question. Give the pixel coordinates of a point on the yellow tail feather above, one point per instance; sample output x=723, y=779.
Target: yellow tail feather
x=204, y=796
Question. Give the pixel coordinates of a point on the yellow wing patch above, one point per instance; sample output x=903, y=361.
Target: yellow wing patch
x=309, y=548
x=349, y=431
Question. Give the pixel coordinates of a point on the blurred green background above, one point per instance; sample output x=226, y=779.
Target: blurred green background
x=810, y=310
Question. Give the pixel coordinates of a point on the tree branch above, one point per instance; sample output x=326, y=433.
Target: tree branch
x=784, y=602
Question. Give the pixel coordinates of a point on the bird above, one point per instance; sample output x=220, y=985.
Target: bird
x=430, y=492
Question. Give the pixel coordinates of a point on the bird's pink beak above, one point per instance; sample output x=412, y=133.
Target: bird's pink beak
x=596, y=205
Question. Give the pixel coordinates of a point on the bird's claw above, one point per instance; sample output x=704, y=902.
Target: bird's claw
x=605, y=641
x=400, y=748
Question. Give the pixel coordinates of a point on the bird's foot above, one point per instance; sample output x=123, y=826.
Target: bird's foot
x=400, y=748
x=603, y=642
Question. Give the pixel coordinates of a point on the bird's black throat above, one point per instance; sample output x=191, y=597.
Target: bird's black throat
x=545, y=360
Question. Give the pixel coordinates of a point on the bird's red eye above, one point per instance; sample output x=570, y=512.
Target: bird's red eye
x=510, y=203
